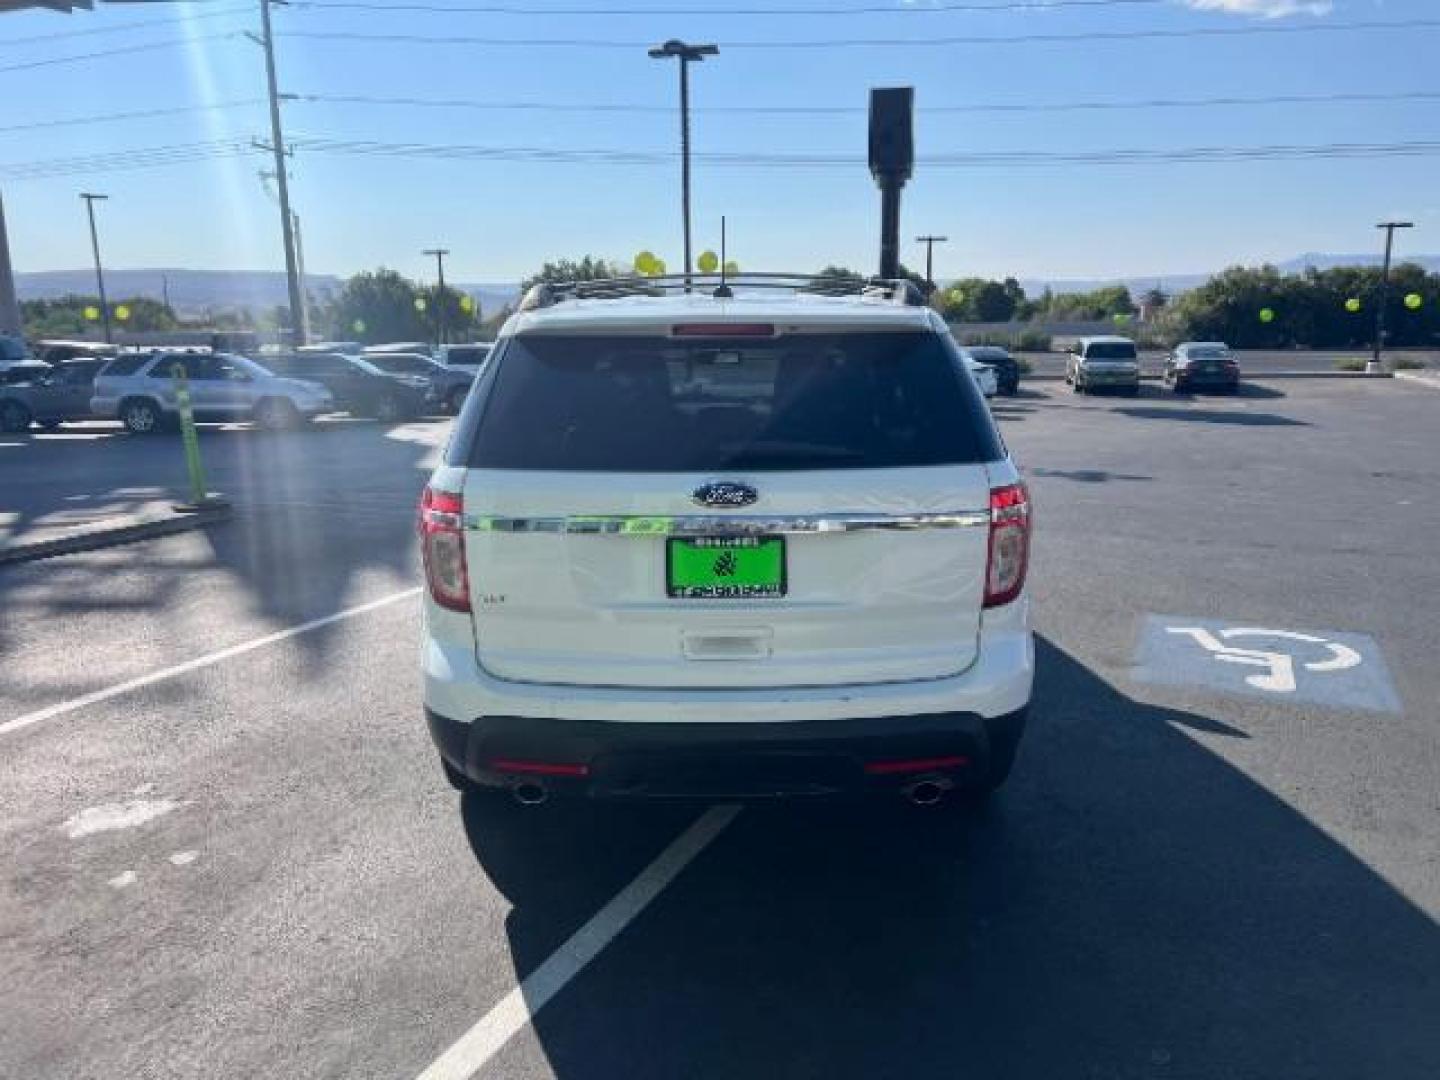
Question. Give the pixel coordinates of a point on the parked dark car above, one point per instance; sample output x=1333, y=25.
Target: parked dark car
x=358, y=386
x=52, y=351
x=1195, y=364
x=26, y=371
x=1007, y=368
x=54, y=395
x=448, y=386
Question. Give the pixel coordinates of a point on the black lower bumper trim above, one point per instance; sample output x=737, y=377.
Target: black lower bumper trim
x=709, y=760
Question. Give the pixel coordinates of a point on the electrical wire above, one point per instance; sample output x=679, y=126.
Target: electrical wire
x=142, y=114
x=761, y=110
x=1000, y=6
x=869, y=43
x=860, y=110
x=127, y=50
x=92, y=31
x=186, y=153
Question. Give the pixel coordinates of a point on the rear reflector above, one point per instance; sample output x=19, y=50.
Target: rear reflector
x=912, y=765
x=723, y=330
x=539, y=768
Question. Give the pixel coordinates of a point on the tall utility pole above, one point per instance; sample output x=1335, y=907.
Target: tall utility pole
x=304, y=322
x=687, y=55
x=165, y=289
x=10, y=322
x=930, y=242
x=439, y=254
x=282, y=183
x=90, y=198
x=1389, y=227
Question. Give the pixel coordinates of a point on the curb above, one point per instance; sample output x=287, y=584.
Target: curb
x=123, y=531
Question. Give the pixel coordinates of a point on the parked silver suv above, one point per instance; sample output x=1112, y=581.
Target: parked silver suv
x=139, y=390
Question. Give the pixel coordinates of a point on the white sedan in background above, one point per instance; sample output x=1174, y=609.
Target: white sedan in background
x=983, y=374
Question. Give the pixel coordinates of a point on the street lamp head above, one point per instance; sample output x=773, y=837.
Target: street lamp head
x=92, y=195
x=1396, y=225
x=676, y=47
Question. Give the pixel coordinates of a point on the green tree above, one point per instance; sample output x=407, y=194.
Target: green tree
x=460, y=323
x=588, y=268
x=65, y=316
x=978, y=300
x=383, y=302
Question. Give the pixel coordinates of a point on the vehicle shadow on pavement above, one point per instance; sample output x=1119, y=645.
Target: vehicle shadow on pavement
x=1211, y=416
x=1130, y=906
x=1086, y=476
x=324, y=519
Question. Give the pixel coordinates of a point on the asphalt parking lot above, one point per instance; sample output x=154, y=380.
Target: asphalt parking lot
x=230, y=851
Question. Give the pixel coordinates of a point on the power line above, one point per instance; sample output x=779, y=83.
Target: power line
x=142, y=114
x=186, y=153
x=761, y=110
x=999, y=6
x=125, y=51
x=860, y=110
x=65, y=35
x=849, y=43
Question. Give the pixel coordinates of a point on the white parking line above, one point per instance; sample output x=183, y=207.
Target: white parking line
x=52, y=711
x=482, y=1042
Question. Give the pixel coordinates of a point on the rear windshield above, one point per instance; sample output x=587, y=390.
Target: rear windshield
x=1110, y=350
x=467, y=357
x=811, y=401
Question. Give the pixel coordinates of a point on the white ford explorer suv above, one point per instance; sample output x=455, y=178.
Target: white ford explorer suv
x=745, y=541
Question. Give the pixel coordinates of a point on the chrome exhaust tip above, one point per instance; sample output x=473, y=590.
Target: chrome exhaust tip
x=530, y=793
x=927, y=790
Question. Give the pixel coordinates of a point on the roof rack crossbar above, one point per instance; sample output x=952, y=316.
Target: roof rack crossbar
x=894, y=290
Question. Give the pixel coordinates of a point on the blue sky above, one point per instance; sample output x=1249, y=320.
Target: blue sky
x=501, y=218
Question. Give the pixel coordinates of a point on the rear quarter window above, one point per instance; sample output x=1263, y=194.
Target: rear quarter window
x=125, y=365
x=577, y=403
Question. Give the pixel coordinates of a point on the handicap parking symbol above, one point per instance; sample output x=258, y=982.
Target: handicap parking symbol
x=1330, y=668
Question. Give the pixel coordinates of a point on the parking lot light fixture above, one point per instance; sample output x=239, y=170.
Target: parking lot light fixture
x=686, y=54
x=1376, y=363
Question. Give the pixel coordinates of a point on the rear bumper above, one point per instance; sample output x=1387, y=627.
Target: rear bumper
x=1207, y=378
x=757, y=741
x=720, y=760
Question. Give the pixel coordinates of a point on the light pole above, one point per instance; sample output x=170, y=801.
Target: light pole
x=439, y=254
x=686, y=54
x=90, y=198
x=1389, y=227
x=930, y=242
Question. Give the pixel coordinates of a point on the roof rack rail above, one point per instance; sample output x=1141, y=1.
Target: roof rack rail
x=721, y=286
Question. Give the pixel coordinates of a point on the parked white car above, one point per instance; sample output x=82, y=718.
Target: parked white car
x=696, y=545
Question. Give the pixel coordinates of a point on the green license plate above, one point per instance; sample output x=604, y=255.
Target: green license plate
x=725, y=567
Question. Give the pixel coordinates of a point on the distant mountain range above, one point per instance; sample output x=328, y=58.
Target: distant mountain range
x=1178, y=283
x=192, y=292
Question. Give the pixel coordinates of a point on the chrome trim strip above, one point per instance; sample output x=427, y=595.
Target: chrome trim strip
x=729, y=524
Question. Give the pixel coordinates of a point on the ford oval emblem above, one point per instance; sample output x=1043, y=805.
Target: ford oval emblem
x=725, y=494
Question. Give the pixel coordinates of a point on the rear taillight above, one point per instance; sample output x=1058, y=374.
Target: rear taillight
x=1009, y=544
x=442, y=544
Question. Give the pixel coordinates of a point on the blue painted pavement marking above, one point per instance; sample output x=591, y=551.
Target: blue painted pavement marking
x=1319, y=667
